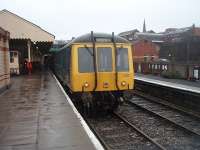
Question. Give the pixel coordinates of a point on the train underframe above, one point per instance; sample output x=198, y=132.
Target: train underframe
x=95, y=103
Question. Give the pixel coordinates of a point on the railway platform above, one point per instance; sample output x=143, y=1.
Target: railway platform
x=191, y=86
x=35, y=114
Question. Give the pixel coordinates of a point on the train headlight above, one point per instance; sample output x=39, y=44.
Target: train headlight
x=123, y=83
x=86, y=84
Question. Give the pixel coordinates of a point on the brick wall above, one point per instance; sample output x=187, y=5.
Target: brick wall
x=4, y=59
x=144, y=50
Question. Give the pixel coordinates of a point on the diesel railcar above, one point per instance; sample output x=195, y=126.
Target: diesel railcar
x=96, y=68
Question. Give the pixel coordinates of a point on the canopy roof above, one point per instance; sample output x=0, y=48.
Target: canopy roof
x=21, y=28
x=4, y=33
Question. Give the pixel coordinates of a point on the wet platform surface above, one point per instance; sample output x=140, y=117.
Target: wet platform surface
x=34, y=115
x=192, y=86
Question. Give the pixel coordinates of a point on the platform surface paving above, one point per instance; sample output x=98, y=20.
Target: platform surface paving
x=193, y=86
x=34, y=115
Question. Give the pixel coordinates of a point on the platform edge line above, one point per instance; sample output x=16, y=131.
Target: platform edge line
x=90, y=134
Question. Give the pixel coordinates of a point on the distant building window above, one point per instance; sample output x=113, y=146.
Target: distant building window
x=153, y=66
x=166, y=67
x=145, y=58
x=152, y=58
x=156, y=66
x=163, y=67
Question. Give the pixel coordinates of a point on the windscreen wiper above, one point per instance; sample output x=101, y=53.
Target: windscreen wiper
x=116, y=60
x=94, y=59
x=88, y=49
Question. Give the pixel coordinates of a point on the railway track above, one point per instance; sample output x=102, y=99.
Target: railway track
x=115, y=132
x=145, y=124
x=165, y=103
x=155, y=121
x=178, y=117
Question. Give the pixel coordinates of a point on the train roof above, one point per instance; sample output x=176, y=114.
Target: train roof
x=99, y=38
x=107, y=37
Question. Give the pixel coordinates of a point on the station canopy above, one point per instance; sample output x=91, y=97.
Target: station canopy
x=23, y=30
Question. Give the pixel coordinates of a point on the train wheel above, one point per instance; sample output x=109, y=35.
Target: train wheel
x=127, y=95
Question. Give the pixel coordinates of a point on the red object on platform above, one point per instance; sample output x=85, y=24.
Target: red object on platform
x=30, y=67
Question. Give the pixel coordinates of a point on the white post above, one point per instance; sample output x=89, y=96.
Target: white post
x=29, y=50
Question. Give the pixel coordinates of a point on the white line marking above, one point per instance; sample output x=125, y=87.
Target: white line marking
x=91, y=135
x=169, y=84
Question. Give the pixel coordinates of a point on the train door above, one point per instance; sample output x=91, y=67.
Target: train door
x=111, y=76
x=105, y=68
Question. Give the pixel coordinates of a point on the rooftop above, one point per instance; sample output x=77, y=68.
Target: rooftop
x=21, y=28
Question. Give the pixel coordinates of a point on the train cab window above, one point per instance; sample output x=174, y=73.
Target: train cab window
x=122, y=60
x=85, y=60
x=104, y=60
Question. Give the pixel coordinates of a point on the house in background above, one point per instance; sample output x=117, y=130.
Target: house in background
x=145, y=47
x=172, y=53
x=144, y=52
x=182, y=48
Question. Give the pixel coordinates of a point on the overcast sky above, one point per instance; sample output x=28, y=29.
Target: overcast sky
x=70, y=18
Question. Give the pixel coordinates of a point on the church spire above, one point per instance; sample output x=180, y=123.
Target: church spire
x=144, y=27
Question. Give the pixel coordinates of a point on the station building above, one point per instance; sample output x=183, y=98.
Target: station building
x=178, y=52
x=182, y=49
x=4, y=60
x=28, y=42
x=144, y=51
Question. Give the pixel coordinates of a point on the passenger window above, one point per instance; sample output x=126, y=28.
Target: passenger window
x=85, y=60
x=122, y=60
x=104, y=56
